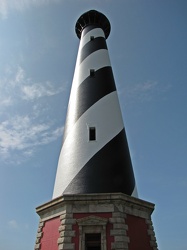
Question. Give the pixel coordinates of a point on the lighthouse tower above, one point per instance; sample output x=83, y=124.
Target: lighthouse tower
x=95, y=205
x=95, y=156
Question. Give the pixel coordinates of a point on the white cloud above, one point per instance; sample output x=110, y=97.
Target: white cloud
x=31, y=90
x=6, y=102
x=12, y=224
x=10, y=84
x=141, y=92
x=24, y=134
x=20, y=5
x=53, y=136
x=146, y=86
x=3, y=9
x=19, y=77
x=26, y=124
x=38, y=90
x=16, y=85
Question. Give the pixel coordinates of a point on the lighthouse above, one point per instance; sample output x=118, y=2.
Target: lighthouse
x=95, y=205
x=95, y=156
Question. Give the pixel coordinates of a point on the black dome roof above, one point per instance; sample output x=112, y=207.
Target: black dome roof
x=92, y=17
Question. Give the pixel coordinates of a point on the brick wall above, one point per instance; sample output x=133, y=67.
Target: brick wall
x=50, y=234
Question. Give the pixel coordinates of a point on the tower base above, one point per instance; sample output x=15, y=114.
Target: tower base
x=96, y=222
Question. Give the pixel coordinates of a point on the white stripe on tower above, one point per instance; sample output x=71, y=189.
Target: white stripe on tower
x=94, y=157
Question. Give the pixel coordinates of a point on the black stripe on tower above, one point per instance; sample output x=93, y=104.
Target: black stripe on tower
x=92, y=46
x=90, y=91
x=109, y=170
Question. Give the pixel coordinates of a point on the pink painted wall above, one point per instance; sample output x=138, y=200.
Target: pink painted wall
x=137, y=232
x=50, y=234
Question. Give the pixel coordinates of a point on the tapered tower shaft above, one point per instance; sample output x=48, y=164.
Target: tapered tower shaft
x=95, y=156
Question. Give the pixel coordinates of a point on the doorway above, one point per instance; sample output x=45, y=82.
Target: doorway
x=93, y=241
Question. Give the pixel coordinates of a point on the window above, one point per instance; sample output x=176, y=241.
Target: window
x=92, y=72
x=92, y=241
x=92, y=134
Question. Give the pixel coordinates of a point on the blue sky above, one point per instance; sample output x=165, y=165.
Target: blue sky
x=38, y=48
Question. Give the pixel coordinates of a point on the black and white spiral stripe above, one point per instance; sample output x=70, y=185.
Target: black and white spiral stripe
x=102, y=165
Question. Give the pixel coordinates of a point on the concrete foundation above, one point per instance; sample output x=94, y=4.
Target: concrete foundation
x=122, y=221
